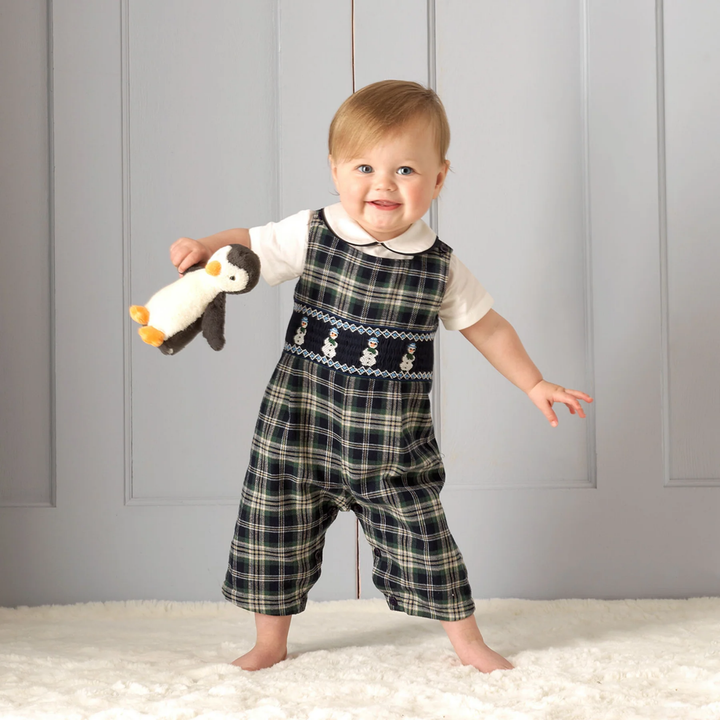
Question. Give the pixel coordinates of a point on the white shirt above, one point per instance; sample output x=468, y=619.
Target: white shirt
x=282, y=248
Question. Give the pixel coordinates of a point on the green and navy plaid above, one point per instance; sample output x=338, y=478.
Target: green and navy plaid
x=331, y=438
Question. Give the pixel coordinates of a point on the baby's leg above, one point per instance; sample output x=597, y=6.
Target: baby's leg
x=270, y=642
x=471, y=648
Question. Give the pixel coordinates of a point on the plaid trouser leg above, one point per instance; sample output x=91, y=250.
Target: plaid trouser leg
x=291, y=495
x=416, y=563
x=276, y=552
x=394, y=473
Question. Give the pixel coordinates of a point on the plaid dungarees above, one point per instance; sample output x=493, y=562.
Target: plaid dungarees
x=345, y=425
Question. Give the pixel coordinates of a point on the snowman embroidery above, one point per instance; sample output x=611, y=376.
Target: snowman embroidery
x=369, y=355
x=300, y=332
x=329, y=347
x=408, y=358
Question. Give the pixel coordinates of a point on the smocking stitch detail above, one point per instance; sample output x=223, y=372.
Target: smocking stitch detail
x=352, y=369
x=362, y=329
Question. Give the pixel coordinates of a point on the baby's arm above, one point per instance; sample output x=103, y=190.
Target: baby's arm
x=186, y=252
x=497, y=340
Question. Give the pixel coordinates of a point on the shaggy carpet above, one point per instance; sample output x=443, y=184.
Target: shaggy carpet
x=575, y=659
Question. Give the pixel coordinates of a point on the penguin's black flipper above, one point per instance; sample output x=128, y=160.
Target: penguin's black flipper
x=180, y=339
x=213, y=322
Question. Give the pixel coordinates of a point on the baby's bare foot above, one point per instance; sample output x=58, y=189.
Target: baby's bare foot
x=260, y=658
x=468, y=642
x=480, y=656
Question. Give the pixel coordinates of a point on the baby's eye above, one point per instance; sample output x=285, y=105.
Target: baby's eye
x=364, y=169
x=405, y=170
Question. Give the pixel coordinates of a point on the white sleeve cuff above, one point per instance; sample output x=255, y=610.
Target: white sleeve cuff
x=465, y=300
x=282, y=247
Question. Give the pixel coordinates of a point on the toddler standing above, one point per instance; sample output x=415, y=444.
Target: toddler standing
x=345, y=421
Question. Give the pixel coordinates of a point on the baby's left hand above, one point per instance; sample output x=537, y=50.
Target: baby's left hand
x=544, y=394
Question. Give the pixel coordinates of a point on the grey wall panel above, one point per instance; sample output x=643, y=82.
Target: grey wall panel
x=692, y=252
x=71, y=553
x=641, y=540
x=26, y=454
x=395, y=47
x=626, y=259
x=514, y=208
x=200, y=158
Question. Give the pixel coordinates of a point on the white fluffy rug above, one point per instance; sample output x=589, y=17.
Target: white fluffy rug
x=575, y=659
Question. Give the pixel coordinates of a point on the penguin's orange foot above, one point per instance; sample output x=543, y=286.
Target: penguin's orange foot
x=152, y=336
x=139, y=314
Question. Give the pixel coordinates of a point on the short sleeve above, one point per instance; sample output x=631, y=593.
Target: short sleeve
x=465, y=300
x=282, y=247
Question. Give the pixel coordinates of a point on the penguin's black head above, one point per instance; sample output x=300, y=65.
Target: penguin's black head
x=246, y=262
x=235, y=269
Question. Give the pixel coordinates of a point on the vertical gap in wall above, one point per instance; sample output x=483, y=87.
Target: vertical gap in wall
x=662, y=202
x=126, y=250
x=51, y=250
x=590, y=428
x=277, y=207
x=352, y=42
x=358, y=581
x=436, y=394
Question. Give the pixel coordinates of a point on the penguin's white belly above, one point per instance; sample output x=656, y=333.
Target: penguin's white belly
x=181, y=303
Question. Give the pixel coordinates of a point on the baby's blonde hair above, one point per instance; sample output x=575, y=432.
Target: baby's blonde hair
x=382, y=109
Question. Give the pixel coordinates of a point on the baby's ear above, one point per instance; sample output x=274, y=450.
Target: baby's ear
x=333, y=168
x=440, y=180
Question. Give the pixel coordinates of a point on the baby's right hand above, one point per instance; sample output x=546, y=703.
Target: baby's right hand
x=186, y=252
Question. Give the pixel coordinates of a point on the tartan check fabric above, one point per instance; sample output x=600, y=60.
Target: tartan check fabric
x=403, y=293
x=326, y=442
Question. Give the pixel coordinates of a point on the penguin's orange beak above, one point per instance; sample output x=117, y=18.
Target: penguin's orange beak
x=213, y=268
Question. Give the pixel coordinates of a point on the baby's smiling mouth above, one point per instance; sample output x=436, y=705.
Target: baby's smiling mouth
x=384, y=204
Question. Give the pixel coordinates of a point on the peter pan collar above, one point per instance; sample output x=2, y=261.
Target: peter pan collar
x=416, y=239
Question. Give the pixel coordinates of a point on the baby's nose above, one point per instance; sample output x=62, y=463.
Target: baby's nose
x=385, y=181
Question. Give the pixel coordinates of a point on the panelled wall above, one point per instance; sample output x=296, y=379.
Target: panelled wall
x=690, y=242
x=26, y=238
x=581, y=194
x=583, y=133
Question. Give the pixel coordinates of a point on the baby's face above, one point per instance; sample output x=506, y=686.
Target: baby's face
x=391, y=185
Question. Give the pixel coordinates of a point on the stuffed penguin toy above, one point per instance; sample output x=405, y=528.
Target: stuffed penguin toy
x=196, y=302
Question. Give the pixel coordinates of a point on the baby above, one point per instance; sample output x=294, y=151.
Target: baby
x=345, y=421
